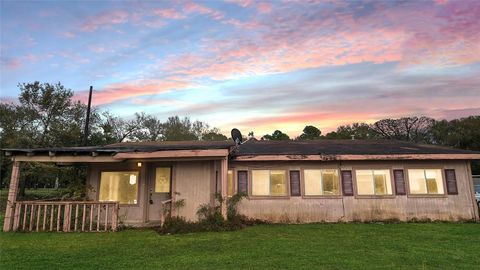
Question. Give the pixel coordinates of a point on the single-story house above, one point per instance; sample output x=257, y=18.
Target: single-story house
x=285, y=181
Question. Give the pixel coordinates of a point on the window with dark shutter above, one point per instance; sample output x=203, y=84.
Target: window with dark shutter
x=295, y=183
x=399, y=177
x=451, y=181
x=242, y=182
x=347, y=183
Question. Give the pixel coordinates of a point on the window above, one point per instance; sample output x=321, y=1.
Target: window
x=242, y=182
x=425, y=181
x=119, y=186
x=373, y=182
x=321, y=182
x=269, y=183
x=163, y=179
x=230, y=184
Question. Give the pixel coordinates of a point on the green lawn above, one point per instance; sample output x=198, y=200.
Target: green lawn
x=312, y=246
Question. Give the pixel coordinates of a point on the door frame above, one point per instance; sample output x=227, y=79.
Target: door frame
x=150, y=183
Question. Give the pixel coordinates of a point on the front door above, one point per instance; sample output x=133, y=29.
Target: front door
x=159, y=190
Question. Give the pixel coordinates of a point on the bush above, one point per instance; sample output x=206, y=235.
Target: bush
x=176, y=225
x=210, y=218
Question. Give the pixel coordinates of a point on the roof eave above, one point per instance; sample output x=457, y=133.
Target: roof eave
x=357, y=157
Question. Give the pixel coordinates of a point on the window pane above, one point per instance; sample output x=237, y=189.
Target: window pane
x=278, y=181
x=331, y=182
x=365, y=182
x=162, y=179
x=425, y=181
x=230, y=184
x=383, y=185
x=313, y=184
x=416, y=181
x=260, y=182
x=119, y=186
x=434, y=181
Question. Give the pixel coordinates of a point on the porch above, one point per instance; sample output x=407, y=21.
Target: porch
x=196, y=176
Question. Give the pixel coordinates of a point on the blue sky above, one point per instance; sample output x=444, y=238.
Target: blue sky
x=254, y=65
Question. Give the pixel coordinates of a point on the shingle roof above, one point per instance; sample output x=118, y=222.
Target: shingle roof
x=255, y=147
x=131, y=147
x=342, y=147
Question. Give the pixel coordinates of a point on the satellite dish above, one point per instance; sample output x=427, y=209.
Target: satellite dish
x=237, y=136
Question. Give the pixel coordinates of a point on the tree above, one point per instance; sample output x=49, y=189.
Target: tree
x=116, y=129
x=412, y=129
x=45, y=116
x=176, y=129
x=277, y=135
x=150, y=128
x=358, y=130
x=214, y=135
x=310, y=133
x=461, y=133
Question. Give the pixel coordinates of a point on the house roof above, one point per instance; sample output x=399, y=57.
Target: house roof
x=342, y=147
x=128, y=147
x=261, y=150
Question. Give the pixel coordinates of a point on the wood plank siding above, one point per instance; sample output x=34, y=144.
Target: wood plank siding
x=363, y=208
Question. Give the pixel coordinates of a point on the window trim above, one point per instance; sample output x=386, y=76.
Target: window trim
x=340, y=187
x=100, y=171
x=250, y=185
x=426, y=167
x=234, y=181
x=373, y=196
x=155, y=179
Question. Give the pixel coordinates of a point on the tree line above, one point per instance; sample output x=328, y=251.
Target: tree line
x=461, y=133
x=47, y=115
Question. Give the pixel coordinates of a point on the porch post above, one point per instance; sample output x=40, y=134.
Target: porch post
x=12, y=196
x=223, y=177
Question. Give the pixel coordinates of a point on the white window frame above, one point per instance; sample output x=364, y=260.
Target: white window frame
x=287, y=189
x=373, y=182
x=339, y=182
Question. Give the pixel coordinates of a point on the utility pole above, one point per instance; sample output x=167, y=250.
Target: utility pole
x=87, y=119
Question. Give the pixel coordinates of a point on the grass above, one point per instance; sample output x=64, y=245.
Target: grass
x=311, y=246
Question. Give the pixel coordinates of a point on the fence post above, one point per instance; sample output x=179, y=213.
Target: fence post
x=16, y=216
x=115, y=217
x=67, y=217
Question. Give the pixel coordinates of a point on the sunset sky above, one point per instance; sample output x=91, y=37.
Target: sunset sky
x=254, y=65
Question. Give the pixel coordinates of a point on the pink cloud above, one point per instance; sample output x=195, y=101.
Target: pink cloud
x=169, y=13
x=260, y=6
x=120, y=91
x=69, y=34
x=11, y=63
x=192, y=7
x=105, y=19
x=287, y=42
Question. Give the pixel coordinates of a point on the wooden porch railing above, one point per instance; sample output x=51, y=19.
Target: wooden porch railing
x=66, y=216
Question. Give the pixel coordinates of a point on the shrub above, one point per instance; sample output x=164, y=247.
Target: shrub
x=210, y=218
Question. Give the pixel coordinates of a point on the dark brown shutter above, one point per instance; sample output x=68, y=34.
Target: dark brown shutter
x=451, y=181
x=399, y=177
x=295, y=183
x=243, y=182
x=347, y=183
